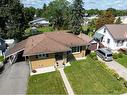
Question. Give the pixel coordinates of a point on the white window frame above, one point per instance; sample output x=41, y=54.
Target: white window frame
x=41, y=56
x=77, y=51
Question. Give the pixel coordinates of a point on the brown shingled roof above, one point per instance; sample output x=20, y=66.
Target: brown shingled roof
x=85, y=37
x=67, y=39
x=18, y=47
x=47, y=43
x=118, y=31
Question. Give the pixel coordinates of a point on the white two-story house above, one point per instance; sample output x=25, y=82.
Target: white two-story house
x=113, y=36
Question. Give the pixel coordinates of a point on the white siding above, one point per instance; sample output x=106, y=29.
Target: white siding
x=113, y=43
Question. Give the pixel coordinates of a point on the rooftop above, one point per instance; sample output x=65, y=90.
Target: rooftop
x=50, y=42
x=118, y=31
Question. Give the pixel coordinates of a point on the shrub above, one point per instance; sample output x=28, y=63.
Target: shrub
x=93, y=55
x=34, y=71
x=125, y=84
x=1, y=58
x=115, y=56
x=120, y=55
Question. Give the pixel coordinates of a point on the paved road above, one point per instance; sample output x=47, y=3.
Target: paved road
x=120, y=69
x=14, y=80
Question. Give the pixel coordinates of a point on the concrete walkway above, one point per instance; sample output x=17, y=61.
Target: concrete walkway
x=66, y=82
x=120, y=69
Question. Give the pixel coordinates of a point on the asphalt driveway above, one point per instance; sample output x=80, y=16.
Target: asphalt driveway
x=14, y=80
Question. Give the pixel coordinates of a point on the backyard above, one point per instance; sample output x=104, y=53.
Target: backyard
x=122, y=60
x=89, y=77
x=48, y=83
x=28, y=32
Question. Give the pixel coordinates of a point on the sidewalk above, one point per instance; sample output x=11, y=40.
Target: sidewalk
x=66, y=82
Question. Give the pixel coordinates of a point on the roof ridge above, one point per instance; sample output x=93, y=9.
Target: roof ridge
x=32, y=42
x=54, y=39
x=51, y=40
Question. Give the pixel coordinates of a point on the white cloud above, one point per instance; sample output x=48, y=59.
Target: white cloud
x=101, y=4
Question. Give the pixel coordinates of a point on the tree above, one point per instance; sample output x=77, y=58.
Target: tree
x=29, y=14
x=118, y=21
x=12, y=20
x=39, y=12
x=113, y=11
x=106, y=18
x=56, y=12
x=77, y=17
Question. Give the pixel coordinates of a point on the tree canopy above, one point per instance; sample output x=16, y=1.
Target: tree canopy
x=12, y=20
x=118, y=21
x=77, y=17
x=106, y=18
x=57, y=13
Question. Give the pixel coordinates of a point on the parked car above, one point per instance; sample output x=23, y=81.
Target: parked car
x=105, y=54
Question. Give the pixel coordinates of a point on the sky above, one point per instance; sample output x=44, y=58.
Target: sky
x=88, y=4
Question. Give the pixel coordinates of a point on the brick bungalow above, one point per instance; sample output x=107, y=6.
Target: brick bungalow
x=47, y=49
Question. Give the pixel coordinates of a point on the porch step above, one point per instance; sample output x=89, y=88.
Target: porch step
x=60, y=64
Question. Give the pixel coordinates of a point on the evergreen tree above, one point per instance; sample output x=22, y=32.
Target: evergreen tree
x=12, y=20
x=77, y=17
x=118, y=21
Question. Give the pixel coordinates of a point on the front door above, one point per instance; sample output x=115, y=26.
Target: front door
x=59, y=56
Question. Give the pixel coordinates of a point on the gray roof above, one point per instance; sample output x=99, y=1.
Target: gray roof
x=106, y=50
x=118, y=31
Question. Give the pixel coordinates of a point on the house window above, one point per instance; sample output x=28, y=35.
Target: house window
x=0, y=43
x=120, y=43
x=75, y=49
x=108, y=41
x=104, y=30
x=40, y=56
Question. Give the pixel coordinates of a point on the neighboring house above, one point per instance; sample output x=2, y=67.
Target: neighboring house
x=39, y=22
x=123, y=19
x=93, y=45
x=50, y=49
x=88, y=19
x=2, y=47
x=113, y=36
x=10, y=42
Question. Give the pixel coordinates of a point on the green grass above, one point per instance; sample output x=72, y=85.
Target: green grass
x=89, y=77
x=45, y=29
x=123, y=60
x=48, y=83
x=1, y=58
x=41, y=29
x=85, y=27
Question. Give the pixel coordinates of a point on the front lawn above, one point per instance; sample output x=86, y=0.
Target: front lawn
x=48, y=83
x=122, y=60
x=1, y=58
x=89, y=77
